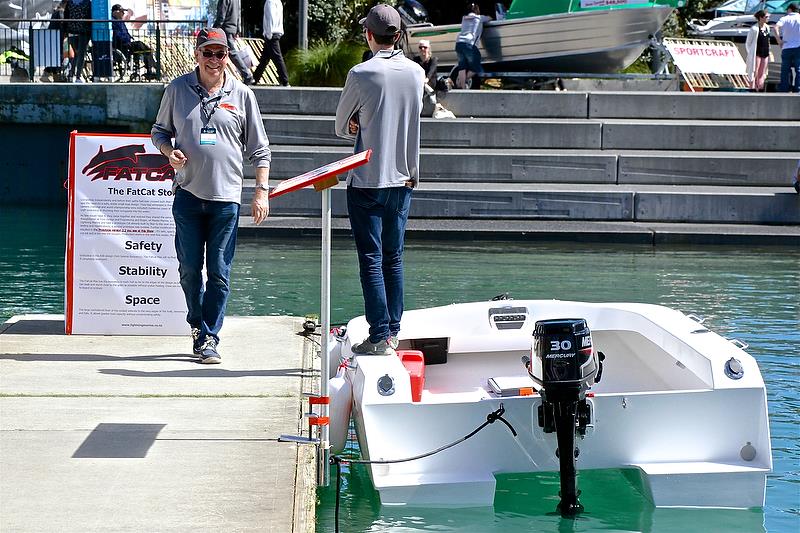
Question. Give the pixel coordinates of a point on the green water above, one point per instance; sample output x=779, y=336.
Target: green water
x=751, y=294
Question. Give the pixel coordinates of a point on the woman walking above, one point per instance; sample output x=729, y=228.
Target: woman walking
x=757, y=46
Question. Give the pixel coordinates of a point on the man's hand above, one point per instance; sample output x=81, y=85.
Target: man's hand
x=352, y=126
x=177, y=159
x=260, y=206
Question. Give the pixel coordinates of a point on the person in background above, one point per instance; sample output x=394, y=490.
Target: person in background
x=57, y=73
x=429, y=64
x=796, y=180
x=469, y=57
x=379, y=108
x=787, y=33
x=79, y=34
x=757, y=46
x=426, y=60
x=214, y=119
x=229, y=19
x=273, y=31
x=123, y=41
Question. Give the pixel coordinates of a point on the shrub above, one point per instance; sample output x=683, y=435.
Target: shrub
x=323, y=64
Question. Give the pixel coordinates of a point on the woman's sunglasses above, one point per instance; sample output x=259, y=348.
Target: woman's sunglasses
x=218, y=55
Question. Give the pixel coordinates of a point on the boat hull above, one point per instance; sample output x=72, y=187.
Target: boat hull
x=603, y=41
x=664, y=408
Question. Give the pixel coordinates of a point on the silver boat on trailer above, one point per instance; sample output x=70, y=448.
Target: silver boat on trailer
x=597, y=41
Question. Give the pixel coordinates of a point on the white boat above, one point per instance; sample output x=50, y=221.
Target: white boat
x=595, y=41
x=682, y=409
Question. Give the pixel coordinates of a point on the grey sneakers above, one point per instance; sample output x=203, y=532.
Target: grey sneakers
x=394, y=342
x=208, y=352
x=373, y=348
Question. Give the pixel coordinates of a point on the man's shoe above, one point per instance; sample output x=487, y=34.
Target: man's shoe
x=197, y=346
x=208, y=352
x=373, y=348
x=393, y=341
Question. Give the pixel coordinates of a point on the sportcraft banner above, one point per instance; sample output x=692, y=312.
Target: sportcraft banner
x=121, y=267
x=706, y=57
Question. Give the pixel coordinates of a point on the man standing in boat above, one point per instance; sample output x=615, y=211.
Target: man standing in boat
x=379, y=108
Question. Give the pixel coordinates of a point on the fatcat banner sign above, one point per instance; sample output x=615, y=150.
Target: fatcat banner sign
x=121, y=267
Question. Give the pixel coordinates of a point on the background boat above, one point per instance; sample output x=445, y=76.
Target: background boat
x=600, y=39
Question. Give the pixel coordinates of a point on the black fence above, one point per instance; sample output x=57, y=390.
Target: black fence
x=50, y=51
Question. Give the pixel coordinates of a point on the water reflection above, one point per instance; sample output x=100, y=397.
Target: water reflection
x=527, y=502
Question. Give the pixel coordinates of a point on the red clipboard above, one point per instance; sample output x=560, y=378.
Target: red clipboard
x=324, y=176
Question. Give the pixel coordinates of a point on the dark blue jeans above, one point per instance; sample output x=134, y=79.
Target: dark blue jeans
x=378, y=221
x=790, y=59
x=205, y=229
x=469, y=57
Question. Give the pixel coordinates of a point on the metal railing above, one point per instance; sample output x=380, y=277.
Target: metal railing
x=160, y=50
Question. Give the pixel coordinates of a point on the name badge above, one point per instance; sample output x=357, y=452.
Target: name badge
x=208, y=136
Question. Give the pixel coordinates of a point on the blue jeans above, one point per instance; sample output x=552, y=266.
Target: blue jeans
x=205, y=228
x=378, y=221
x=469, y=57
x=790, y=59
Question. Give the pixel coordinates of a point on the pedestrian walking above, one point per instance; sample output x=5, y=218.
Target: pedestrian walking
x=79, y=34
x=757, y=47
x=379, y=108
x=214, y=119
x=229, y=19
x=273, y=31
x=787, y=33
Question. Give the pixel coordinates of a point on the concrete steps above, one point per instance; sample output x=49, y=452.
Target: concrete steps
x=570, y=201
x=539, y=133
x=490, y=165
x=709, y=158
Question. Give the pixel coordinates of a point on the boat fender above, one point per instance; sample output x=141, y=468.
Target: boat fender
x=341, y=394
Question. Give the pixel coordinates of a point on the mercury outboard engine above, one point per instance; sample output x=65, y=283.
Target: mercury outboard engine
x=564, y=365
x=412, y=12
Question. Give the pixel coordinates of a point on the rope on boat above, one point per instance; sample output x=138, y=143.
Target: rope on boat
x=491, y=418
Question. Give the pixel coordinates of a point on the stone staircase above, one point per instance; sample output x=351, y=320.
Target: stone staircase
x=512, y=157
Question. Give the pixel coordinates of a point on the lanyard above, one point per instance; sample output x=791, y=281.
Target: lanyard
x=205, y=102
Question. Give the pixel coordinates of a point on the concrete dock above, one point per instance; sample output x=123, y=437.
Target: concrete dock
x=113, y=433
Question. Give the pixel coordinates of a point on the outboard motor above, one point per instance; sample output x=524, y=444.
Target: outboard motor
x=412, y=12
x=564, y=365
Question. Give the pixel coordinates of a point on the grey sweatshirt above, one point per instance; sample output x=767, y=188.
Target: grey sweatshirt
x=228, y=16
x=212, y=172
x=385, y=94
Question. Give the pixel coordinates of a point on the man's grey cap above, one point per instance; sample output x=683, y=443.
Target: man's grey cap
x=382, y=20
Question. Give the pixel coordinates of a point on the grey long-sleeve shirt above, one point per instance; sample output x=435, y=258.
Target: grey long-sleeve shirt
x=385, y=95
x=212, y=172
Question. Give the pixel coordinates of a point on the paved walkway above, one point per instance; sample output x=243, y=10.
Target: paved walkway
x=112, y=433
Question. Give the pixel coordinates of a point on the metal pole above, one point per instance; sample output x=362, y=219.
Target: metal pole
x=323, y=473
x=302, y=34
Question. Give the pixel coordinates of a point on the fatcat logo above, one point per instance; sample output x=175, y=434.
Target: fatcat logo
x=129, y=163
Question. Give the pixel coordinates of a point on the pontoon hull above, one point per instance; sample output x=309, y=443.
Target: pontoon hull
x=604, y=41
x=664, y=408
